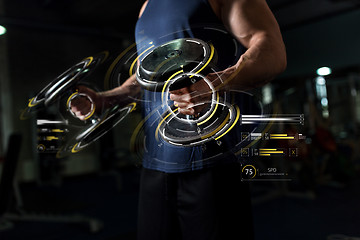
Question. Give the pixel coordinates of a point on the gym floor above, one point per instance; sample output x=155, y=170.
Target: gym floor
x=111, y=198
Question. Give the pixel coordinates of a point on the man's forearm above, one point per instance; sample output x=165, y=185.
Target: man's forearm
x=127, y=93
x=257, y=66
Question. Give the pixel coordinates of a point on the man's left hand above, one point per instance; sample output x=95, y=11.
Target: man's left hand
x=193, y=99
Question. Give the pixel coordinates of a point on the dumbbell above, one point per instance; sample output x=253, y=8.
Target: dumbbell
x=97, y=124
x=177, y=64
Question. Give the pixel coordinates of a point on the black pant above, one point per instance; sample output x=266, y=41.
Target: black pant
x=206, y=204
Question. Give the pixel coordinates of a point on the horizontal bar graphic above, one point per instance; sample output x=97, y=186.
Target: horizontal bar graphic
x=287, y=118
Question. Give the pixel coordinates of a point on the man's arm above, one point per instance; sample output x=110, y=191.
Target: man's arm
x=122, y=95
x=253, y=25
x=128, y=90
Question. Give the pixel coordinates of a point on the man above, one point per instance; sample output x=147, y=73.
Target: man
x=185, y=192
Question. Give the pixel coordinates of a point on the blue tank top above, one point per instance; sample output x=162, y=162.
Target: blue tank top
x=162, y=21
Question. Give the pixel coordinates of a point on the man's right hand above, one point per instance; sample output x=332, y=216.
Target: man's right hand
x=121, y=96
x=81, y=106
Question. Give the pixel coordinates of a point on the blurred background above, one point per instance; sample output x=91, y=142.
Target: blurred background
x=93, y=194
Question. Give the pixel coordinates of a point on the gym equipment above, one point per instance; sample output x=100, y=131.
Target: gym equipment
x=178, y=64
x=65, y=86
x=186, y=55
x=111, y=118
x=64, y=82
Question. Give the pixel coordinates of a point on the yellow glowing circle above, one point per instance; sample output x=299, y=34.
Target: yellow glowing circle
x=41, y=147
x=252, y=168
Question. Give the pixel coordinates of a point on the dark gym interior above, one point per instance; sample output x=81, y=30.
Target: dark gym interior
x=93, y=194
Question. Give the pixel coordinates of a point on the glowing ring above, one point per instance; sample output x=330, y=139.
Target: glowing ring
x=213, y=104
x=77, y=94
x=67, y=80
x=252, y=168
x=222, y=129
x=145, y=77
x=90, y=135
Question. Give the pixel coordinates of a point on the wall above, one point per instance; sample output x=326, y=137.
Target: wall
x=332, y=42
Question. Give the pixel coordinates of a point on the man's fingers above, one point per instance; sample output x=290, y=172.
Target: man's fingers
x=80, y=116
x=81, y=111
x=184, y=105
x=191, y=100
x=185, y=98
x=80, y=106
x=81, y=102
x=187, y=111
x=192, y=97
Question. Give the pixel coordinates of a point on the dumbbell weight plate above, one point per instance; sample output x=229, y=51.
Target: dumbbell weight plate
x=110, y=119
x=71, y=77
x=177, y=64
x=215, y=120
x=180, y=55
x=177, y=132
x=62, y=89
x=63, y=83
